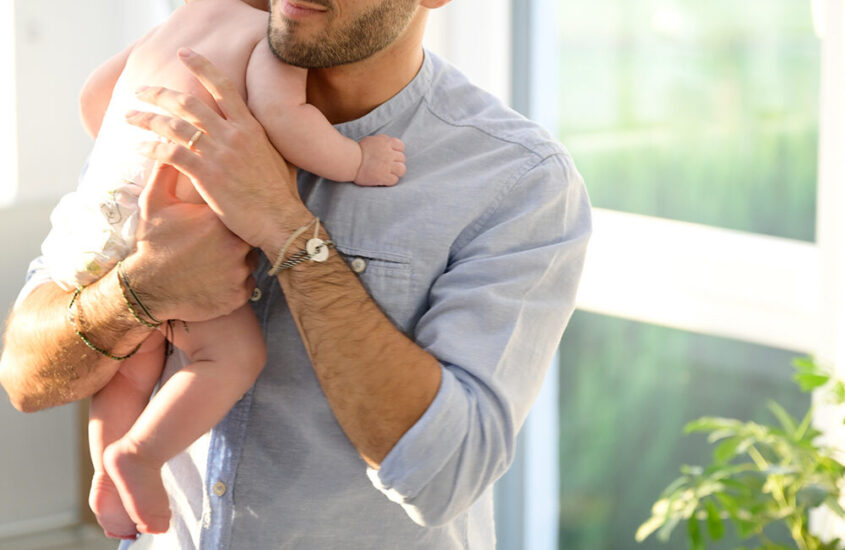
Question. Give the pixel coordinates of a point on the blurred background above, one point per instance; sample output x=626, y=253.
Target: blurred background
x=710, y=136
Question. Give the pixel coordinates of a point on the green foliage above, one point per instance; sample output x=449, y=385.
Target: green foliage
x=760, y=476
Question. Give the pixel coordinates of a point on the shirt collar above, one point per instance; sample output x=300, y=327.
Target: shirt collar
x=388, y=111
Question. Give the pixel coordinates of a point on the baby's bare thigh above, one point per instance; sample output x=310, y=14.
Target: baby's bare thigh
x=224, y=338
x=144, y=368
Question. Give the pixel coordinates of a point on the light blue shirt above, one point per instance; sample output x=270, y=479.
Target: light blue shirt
x=475, y=255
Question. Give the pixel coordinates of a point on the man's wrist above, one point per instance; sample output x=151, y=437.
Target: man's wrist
x=141, y=280
x=280, y=233
x=107, y=321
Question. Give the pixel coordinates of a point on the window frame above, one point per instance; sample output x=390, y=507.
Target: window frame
x=773, y=291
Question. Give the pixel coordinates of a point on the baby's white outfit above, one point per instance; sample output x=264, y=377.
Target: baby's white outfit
x=94, y=227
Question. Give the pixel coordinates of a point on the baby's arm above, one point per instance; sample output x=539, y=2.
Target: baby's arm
x=97, y=90
x=276, y=96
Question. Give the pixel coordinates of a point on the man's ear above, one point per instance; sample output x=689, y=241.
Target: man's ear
x=433, y=4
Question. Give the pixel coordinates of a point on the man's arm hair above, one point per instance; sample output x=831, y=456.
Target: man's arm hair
x=45, y=363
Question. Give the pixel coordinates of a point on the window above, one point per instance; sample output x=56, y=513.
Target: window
x=626, y=391
x=697, y=129
x=698, y=111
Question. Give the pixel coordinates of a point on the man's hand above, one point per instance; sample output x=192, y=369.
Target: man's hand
x=187, y=264
x=377, y=381
x=231, y=162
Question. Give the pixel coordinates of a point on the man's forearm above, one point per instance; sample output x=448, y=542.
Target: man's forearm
x=45, y=363
x=377, y=381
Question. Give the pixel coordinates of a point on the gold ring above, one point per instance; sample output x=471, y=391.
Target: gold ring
x=194, y=139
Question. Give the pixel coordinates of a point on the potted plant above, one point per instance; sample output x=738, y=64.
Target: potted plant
x=761, y=477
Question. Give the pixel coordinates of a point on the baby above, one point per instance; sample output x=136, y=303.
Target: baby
x=94, y=227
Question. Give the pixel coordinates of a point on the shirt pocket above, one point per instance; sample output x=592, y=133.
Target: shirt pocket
x=387, y=277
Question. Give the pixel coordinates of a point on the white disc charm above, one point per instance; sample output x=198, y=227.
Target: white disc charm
x=317, y=250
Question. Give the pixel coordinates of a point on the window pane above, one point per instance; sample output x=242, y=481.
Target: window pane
x=699, y=111
x=626, y=391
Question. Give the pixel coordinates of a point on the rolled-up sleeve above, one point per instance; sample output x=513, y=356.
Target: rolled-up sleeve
x=495, y=319
x=36, y=275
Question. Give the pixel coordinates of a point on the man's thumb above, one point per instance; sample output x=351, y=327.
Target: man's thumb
x=160, y=190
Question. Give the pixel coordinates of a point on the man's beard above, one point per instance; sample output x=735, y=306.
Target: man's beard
x=369, y=33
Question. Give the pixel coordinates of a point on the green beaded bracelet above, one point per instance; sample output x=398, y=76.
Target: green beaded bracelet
x=85, y=339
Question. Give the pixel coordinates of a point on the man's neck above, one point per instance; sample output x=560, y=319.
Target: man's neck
x=351, y=91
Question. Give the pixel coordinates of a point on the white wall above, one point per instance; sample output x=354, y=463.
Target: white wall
x=48, y=47
x=475, y=36
x=8, y=126
x=57, y=44
x=39, y=486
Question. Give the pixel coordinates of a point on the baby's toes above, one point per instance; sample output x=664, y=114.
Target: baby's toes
x=399, y=169
x=397, y=144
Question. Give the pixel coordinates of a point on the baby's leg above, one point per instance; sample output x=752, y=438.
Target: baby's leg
x=113, y=411
x=226, y=355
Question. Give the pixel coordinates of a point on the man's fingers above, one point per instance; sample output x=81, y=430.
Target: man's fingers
x=175, y=155
x=160, y=190
x=173, y=129
x=222, y=89
x=184, y=106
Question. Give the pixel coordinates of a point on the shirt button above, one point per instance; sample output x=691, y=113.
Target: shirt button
x=256, y=295
x=358, y=265
x=219, y=488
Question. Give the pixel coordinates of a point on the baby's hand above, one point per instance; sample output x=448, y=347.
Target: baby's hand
x=382, y=161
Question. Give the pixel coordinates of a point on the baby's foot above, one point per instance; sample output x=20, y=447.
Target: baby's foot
x=104, y=501
x=382, y=161
x=138, y=480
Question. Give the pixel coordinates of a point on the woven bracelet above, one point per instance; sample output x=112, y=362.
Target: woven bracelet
x=304, y=255
x=316, y=249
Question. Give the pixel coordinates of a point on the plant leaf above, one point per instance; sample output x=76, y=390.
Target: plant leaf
x=784, y=418
x=712, y=423
x=806, y=364
x=801, y=432
x=715, y=527
x=694, y=531
x=726, y=450
x=667, y=528
x=648, y=527
x=809, y=382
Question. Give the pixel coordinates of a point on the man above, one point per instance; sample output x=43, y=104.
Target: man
x=401, y=366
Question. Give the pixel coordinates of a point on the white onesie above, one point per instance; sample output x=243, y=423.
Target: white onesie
x=94, y=227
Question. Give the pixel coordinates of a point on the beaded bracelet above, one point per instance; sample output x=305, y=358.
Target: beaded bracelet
x=121, y=274
x=72, y=319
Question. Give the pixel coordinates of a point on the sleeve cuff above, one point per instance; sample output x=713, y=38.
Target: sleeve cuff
x=425, y=448
x=37, y=275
